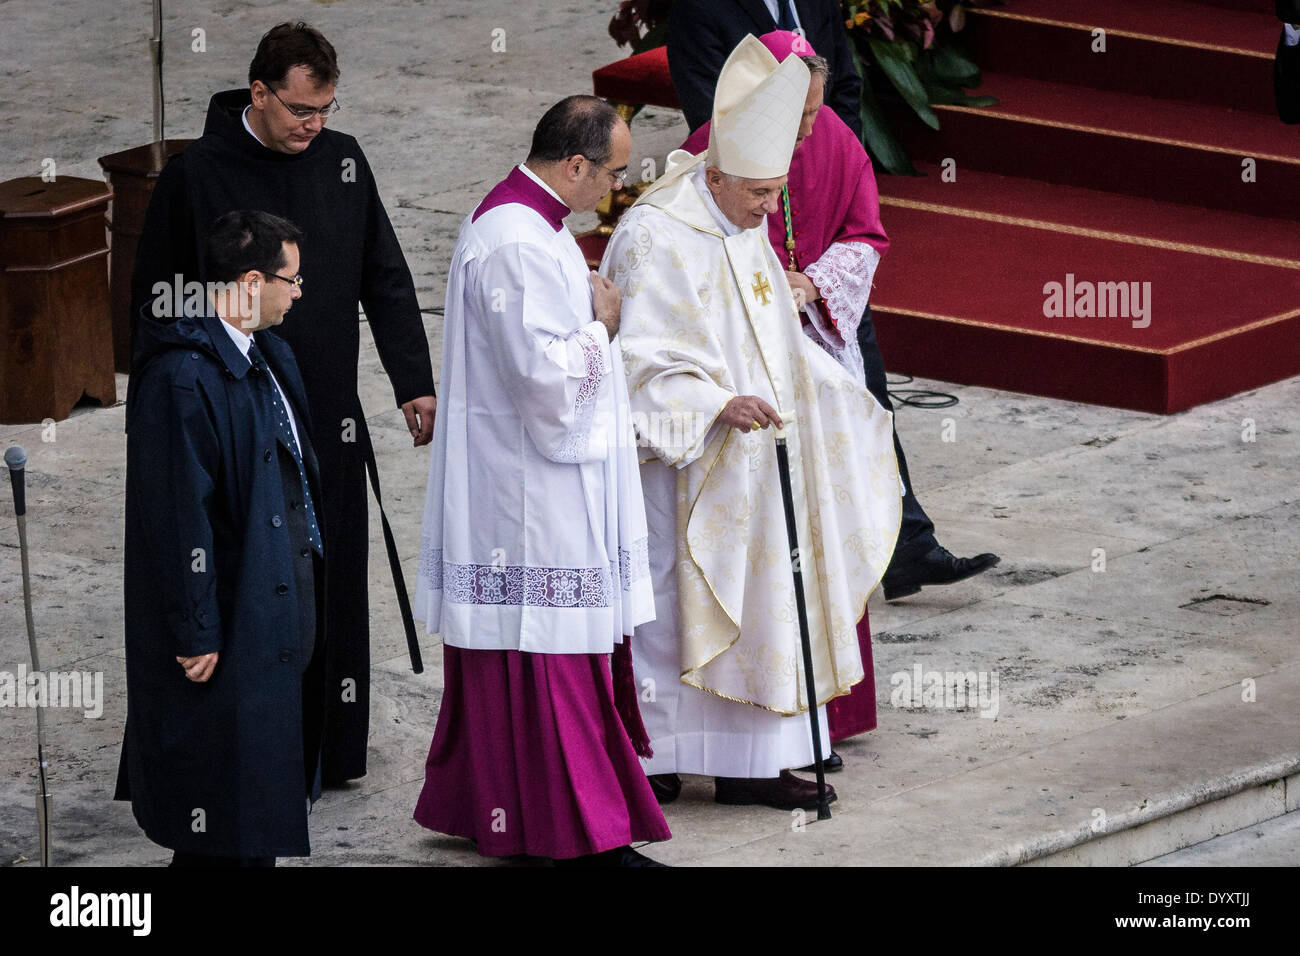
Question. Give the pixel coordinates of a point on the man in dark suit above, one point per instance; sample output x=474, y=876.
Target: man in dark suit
x=1286, y=68
x=702, y=34
x=223, y=566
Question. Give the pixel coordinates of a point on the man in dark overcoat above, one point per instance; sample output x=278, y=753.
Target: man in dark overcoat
x=267, y=147
x=223, y=566
x=702, y=34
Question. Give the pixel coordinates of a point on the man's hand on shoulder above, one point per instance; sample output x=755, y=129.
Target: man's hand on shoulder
x=419, y=414
x=607, y=303
x=199, y=669
x=749, y=413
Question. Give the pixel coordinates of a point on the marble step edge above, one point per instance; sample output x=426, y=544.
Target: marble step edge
x=1191, y=814
x=1247, y=807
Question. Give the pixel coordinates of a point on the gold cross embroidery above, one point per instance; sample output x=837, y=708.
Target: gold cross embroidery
x=762, y=288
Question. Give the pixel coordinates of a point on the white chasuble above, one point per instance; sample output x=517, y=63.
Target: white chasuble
x=534, y=535
x=708, y=316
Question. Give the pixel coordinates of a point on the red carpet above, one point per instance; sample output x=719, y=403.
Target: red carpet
x=1117, y=167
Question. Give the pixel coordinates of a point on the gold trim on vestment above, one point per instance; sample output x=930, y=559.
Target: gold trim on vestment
x=772, y=710
x=1130, y=34
x=1086, y=232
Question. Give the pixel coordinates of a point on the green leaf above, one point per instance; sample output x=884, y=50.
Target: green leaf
x=904, y=78
x=953, y=66
x=887, y=153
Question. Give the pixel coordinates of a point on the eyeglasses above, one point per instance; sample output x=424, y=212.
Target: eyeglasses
x=307, y=112
x=620, y=176
x=296, y=281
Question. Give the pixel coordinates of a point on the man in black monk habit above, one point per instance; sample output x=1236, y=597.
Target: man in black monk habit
x=267, y=147
x=223, y=565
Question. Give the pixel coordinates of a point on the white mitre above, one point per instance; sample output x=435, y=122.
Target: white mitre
x=756, y=112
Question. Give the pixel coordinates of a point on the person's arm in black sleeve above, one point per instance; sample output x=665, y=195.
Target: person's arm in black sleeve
x=1286, y=68
x=167, y=244
x=388, y=297
x=697, y=48
x=844, y=91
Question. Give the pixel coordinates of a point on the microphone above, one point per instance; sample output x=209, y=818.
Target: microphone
x=16, y=459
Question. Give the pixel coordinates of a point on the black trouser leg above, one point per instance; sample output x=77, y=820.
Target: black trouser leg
x=916, y=532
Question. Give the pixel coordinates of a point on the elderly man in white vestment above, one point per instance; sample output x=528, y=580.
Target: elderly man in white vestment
x=714, y=357
x=533, y=562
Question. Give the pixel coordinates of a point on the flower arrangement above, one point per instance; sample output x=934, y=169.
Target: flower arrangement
x=909, y=49
x=641, y=24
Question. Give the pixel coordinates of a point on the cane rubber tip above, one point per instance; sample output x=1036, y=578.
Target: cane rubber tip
x=15, y=457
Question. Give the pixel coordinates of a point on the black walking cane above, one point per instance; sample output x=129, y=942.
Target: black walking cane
x=16, y=459
x=787, y=497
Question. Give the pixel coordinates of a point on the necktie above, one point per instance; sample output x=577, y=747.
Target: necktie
x=272, y=394
x=786, y=20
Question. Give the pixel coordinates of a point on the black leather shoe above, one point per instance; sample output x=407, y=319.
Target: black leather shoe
x=665, y=786
x=786, y=792
x=620, y=856
x=938, y=566
x=833, y=763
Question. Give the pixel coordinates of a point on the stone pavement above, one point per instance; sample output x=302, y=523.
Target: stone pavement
x=1167, y=682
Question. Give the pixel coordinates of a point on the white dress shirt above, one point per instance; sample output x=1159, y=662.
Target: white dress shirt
x=244, y=341
x=776, y=13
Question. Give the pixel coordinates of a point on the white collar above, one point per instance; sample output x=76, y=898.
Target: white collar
x=537, y=179
x=244, y=116
x=728, y=227
x=239, y=337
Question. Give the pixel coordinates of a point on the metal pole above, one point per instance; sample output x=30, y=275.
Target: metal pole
x=16, y=459
x=787, y=497
x=156, y=55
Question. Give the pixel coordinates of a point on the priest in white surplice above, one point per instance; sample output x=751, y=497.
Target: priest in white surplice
x=714, y=356
x=533, y=558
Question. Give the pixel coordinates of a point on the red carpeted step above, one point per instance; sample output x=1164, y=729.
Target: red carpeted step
x=1120, y=142
x=1091, y=213
x=1199, y=326
x=1171, y=49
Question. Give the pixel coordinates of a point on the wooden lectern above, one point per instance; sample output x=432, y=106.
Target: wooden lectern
x=54, y=318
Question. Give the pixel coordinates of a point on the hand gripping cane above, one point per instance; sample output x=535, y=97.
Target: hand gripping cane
x=787, y=498
x=16, y=459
